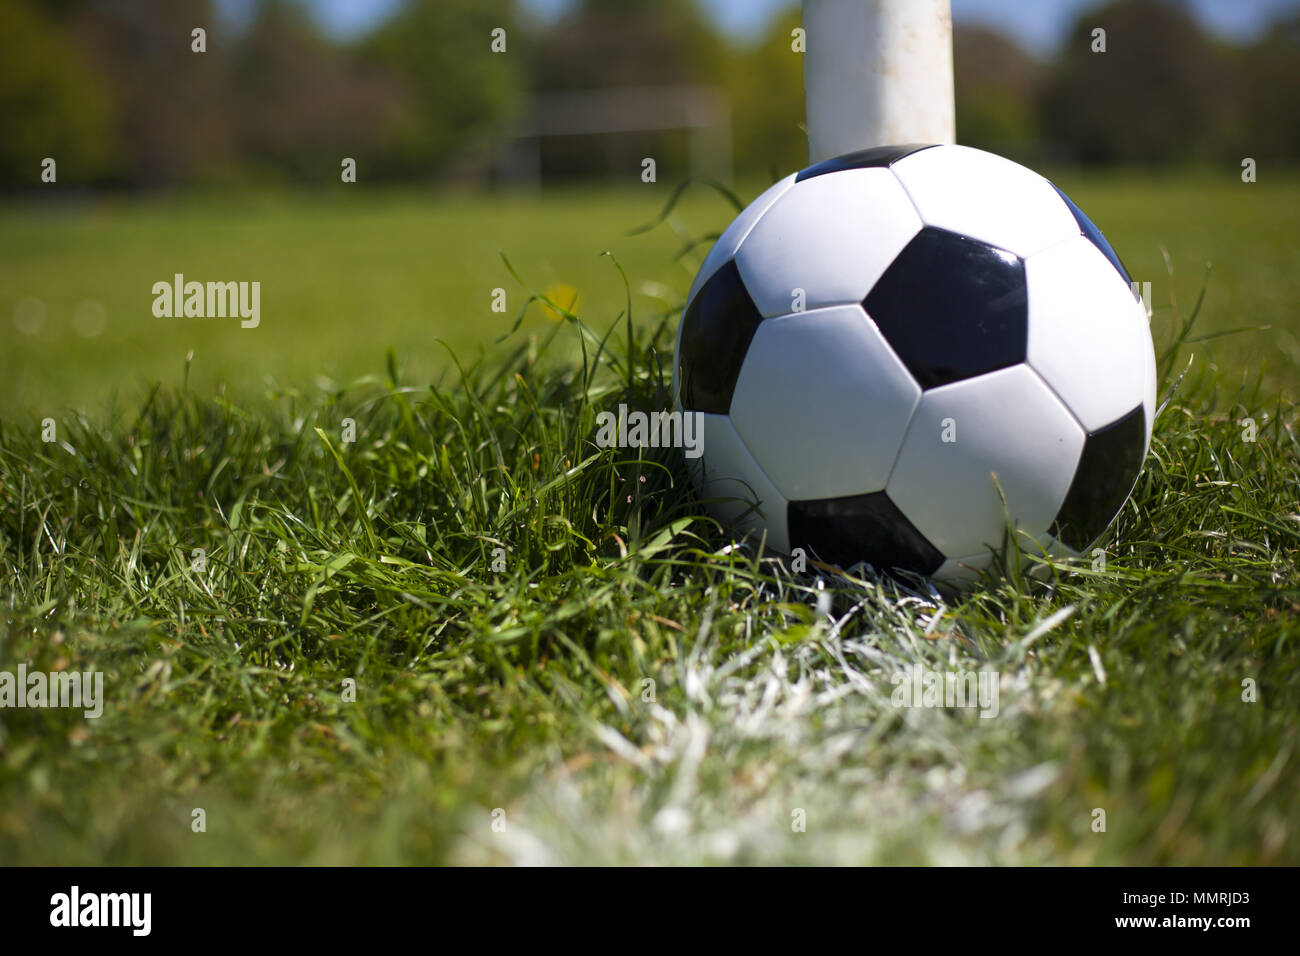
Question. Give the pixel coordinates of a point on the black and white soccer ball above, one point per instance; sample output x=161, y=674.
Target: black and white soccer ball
x=909, y=356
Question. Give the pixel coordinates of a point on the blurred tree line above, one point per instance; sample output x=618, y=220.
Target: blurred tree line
x=113, y=91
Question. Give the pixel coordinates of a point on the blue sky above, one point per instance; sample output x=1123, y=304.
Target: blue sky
x=1038, y=24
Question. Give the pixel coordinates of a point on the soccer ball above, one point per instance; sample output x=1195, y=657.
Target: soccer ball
x=914, y=356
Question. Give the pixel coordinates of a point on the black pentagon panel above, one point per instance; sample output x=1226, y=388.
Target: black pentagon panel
x=862, y=159
x=857, y=528
x=952, y=307
x=716, y=332
x=1093, y=235
x=1107, y=470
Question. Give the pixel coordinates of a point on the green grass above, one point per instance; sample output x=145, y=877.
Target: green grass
x=629, y=688
x=344, y=277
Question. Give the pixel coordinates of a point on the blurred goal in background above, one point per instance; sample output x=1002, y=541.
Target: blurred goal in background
x=702, y=111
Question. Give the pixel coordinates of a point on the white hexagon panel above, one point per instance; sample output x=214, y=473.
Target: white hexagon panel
x=826, y=240
x=735, y=488
x=835, y=428
x=986, y=197
x=1006, y=424
x=1087, y=336
x=964, y=572
x=1032, y=552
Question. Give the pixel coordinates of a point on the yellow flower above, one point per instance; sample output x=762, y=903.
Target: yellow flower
x=563, y=295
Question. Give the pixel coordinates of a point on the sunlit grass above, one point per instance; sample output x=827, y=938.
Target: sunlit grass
x=544, y=629
x=623, y=686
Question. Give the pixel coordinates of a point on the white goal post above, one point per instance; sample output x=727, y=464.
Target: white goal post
x=877, y=73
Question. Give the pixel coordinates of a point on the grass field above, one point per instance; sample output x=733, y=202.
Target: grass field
x=616, y=684
x=343, y=279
